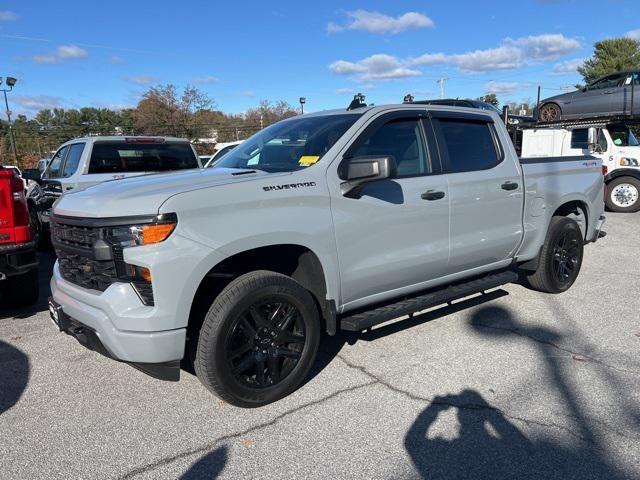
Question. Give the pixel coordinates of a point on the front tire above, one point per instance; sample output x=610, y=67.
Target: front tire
x=623, y=195
x=258, y=340
x=560, y=259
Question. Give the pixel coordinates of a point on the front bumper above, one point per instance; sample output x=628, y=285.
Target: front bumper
x=17, y=259
x=97, y=314
x=90, y=339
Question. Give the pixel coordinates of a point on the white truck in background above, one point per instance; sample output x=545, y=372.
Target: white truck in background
x=614, y=143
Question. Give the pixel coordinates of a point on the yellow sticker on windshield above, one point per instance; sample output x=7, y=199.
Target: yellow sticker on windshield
x=307, y=160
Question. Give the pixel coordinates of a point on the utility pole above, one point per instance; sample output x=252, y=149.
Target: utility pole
x=303, y=100
x=10, y=81
x=261, y=125
x=441, y=81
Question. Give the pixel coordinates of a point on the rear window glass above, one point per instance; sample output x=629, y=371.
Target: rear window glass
x=580, y=138
x=120, y=157
x=470, y=145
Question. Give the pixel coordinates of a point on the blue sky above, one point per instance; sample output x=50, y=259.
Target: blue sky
x=74, y=54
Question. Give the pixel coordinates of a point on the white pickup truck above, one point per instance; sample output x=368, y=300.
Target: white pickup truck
x=614, y=144
x=334, y=220
x=86, y=161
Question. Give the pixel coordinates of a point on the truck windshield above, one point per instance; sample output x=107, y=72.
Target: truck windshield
x=623, y=137
x=289, y=145
x=121, y=157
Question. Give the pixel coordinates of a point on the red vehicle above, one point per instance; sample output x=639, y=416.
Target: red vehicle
x=18, y=261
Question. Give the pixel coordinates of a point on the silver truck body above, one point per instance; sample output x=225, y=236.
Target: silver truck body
x=388, y=243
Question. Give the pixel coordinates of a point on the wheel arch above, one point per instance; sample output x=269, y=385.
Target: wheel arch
x=622, y=172
x=571, y=207
x=294, y=260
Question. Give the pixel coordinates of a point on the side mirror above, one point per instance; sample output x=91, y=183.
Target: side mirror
x=592, y=139
x=32, y=174
x=584, y=89
x=360, y=170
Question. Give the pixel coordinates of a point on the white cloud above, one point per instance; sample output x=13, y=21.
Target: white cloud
x=37, y=102
x=550, y=46
x=504, y=88
x=501, y=58
x=7, y=16
x=116, y=59
x=63, y=52
x=71, y=51
x=379, y=23
x=512, y=53
x=430, y=59
x=206, y=79
x=344, y=91
x=569, y=66
x=376, y=67
x=142, y=79
x=248, y=93
x=633, y=34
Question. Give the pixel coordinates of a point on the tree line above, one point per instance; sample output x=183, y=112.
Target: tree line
x=191, y=113
x=162, y=110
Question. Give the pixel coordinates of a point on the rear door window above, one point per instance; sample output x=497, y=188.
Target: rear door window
x=73, y=159
x=468, y=145
x=123, y=157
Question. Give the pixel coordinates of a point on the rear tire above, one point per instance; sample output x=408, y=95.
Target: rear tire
x=258, y=340
x=623, y=195
x=560, y=258
x=22, y=290
x=550, y=112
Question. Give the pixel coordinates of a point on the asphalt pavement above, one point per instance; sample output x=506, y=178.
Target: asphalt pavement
x=512, y=384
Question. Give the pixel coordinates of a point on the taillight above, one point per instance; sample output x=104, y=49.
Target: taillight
x=14, y=212
x=605, y=170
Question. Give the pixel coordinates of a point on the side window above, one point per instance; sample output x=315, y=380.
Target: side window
x=401, y=139
x=53, y=171
x=580, y=138
x=602, y=141
x=470, y=145
x=73, y=159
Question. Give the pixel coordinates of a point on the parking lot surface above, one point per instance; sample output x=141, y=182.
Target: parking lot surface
x=512, y=384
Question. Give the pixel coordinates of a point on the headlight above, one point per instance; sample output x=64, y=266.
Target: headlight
x=155, y=231
x=629, y=162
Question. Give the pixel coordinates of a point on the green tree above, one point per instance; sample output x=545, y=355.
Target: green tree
x=490, y=98
x=611, y=55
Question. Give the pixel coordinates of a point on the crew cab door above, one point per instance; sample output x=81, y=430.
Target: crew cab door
x=394, y=235
x=485, y=189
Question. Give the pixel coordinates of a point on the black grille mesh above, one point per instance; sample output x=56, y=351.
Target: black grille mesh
x=85, y=272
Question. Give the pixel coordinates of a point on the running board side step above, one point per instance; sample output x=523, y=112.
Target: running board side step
x=362, y=320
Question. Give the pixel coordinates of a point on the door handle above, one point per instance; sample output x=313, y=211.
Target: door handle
x=509, y=186
x=432, y=195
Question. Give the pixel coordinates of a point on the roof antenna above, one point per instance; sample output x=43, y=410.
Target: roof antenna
x=357, y=102
x=408, y=98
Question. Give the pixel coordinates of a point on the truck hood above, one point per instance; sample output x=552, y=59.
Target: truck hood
x=143, y=195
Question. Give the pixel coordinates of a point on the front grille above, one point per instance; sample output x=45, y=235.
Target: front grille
x=73, y=235
x=85, y=272
x=90, y=258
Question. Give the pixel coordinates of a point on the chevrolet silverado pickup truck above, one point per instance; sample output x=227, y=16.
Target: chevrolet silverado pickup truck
x=87, y=161
x=339, y=220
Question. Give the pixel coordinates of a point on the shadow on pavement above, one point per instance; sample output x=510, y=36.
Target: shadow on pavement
x=208, y=466
x=45, y=271
x=14, y=375
x=488, y=445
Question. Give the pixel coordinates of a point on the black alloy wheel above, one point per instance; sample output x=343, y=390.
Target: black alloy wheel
x=265, y=343
x=566, y=257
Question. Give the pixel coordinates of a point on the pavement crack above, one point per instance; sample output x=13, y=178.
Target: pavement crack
x=520, y=333
x=436, y=401
x=210, y=445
